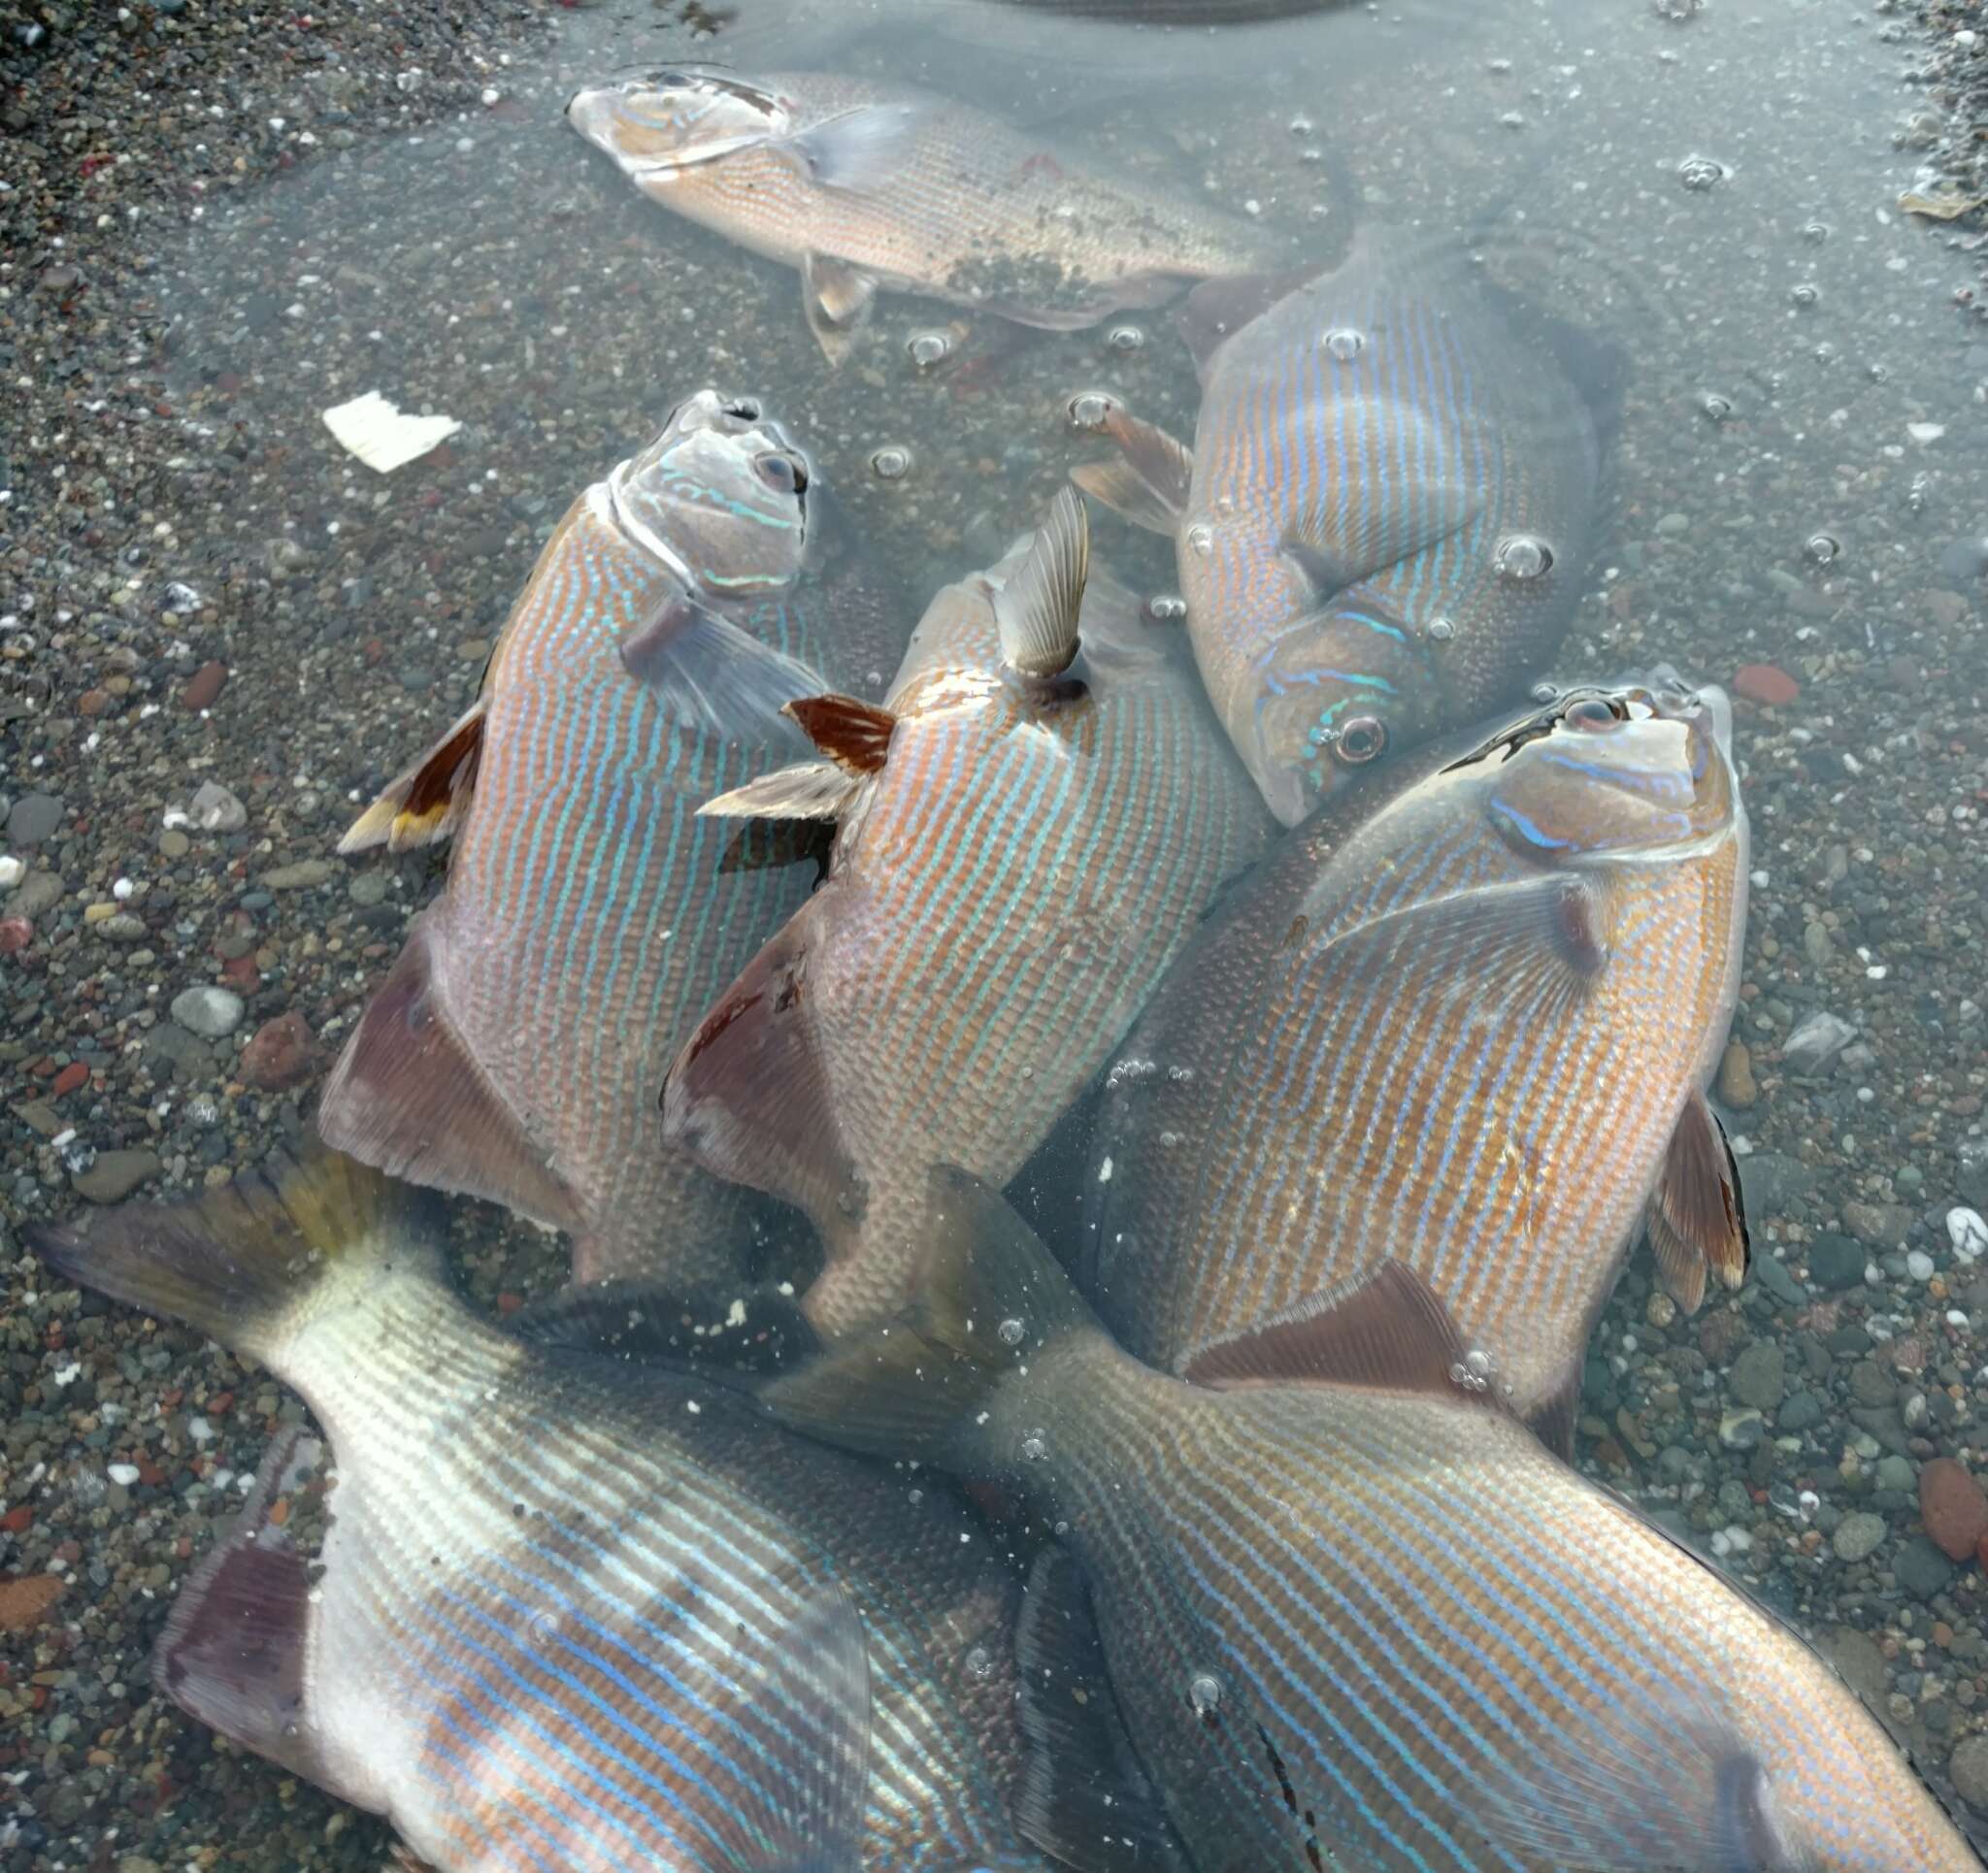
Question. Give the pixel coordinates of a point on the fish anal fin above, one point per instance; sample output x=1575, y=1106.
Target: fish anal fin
x=408, y=1097
x=232, y=1653
x=1036, y=608
x=1389, y=1333
x=853, y=734
x=1697, y=1217
x=713, y=675
x=425, y=803
x=1083, y=1797
x=836, y=298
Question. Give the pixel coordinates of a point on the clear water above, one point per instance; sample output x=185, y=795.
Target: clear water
x=1803, y=478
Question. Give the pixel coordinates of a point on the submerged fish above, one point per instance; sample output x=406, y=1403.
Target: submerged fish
x=514, y=1050
x=1026, y=836
x=864, y=185
x=1389, y=508
x=1464, y=1021
x=1363, y=1621
x=569, y=1614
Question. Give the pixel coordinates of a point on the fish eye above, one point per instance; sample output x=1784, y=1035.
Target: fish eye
x=1360, y=741
x=782, y=472
x=1594, y=713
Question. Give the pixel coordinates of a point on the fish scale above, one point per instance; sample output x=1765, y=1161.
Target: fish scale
x=1311, y=1099
x=1001, y=895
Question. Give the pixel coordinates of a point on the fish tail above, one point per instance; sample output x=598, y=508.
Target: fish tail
x=247, y=1263
x=990, y=1301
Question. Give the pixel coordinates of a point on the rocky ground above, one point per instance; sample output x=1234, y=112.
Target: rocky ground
x=217, y=631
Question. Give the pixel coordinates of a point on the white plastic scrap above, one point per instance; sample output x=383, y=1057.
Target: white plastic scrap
x=1968, y=1233
x=381, y=436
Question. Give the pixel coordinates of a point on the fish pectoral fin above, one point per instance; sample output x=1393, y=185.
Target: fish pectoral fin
x=712, y=677
x=814, y=790
x=1217, y=308
x=1150, y=485
x=1697, y=1218
x=1552, y=1421
x=836, y=298
x=1036, y=607
x=857, y=151
x=853, y=734
x=1083, y=1799
x=1340, y=547
x=425, y=802
x=1390, y=1331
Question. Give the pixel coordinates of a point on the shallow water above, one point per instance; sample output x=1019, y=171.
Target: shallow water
x=1802, y=483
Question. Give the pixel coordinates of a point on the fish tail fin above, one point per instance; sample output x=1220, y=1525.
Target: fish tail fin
x=245, y=1263
x=989, y=1301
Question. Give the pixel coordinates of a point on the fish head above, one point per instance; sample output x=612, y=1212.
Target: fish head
x=662, y=123
x=720, y=498
x=1640, y=769
x=1333, y=695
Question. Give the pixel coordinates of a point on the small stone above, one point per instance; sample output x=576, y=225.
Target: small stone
x=1945, y=608
x=122, y=927
x=15, y=934
x=1921, y=1569
x=114, y=1175
x=11, y=871
x=204, y=686
x=1742, y=1430
x=1836, y=1263
x=99, y=913
x=1920, y=1266
x=1760, y=1375
x=72, y=1077
x=1968, y=1230
x=1883, y=1226
x=281, y=1053
x=1968, y=1765
x=214, y=809
x=1764, y=683
x=38, y=892
x=1858, y=1535
x=34, y=817
x=174, y=843
x=1953, y=1507
x=304, y=876
x=208, y=1013
x=1819, y=1036
x=26, y=1599
x=1736, y=1084
x=368, y=888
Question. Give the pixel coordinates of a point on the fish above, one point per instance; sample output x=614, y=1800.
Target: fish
x=866, y=186
x=1390, y=506
x=588, y=916
x=1027, y=830
x=1463, y=1020
x=1354, y=1613
x=571, y=1612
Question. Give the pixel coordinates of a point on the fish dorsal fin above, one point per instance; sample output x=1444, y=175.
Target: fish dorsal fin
x=807, y=790
x=853, y=734
x=425, y=803
x=1036, y=608
x=1150, y=485
x=712, y=677
x=1697, y=1218
x=858, y=149
x=1390, y=1333
x=836, y=298
x=1083, y=1797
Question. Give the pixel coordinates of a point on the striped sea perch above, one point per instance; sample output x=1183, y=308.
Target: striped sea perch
x=1463, y=1020
x=570, y=1615
x=1389, y=509
x=862, y=186
x=589, y=917
x=1026, y=836
x=1364, y=1620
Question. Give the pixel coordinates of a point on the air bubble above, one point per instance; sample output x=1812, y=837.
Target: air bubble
x=1439, y=629
x=1090, y=409
x=1803, y=296
x=543, y=1629
x=1820, y=548
x=1921, y=492
x=1345, y=346
x=1201, y=538
x=1815, y=232
x=1676, y=12
x=1035, y=1446
x=1165, y=608
x=1125, y=337
x=1715, y=408
x=1544, y=693
x=1011, y=1331
x=1301, y=126
x=1523, y=556
x=929, y=350
x=980, y=1663
x=1205, y=1693
x=1700, y=172
x=890, y=463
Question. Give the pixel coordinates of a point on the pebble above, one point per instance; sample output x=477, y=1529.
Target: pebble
x=1836, y=1263
x=1742, y=1430
x=1738, y=1087
x=1968, y=1230
x=279, y=1053
x=26, y=1599
x=15, y=934
x=34, y=818
x=114, y=1175
x=11, y=871
x=1921, y=1569
x=38, y=892
x=1819, y=1036
x=214, y=809
x=1953, y=1507
x=122, y=927
x=300, y=876
x=204, y=686
x=208, y=1011
x=1945, y=608
x=1760, y=1375
x=1765, y=683
x=1858, y=1534
x=1968, y=1768
x=174, y=843
x=368, y=888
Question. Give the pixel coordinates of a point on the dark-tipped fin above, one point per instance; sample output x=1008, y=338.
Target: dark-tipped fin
x=1036, y=608
x=989, y=1299
x=715, y=677
x=853, y=734
x=425, y=803
x=836, y=298
x=1218, y=309
x=1552, y=1422
x=754, y=1329
x=1083, y=1799
x=407, y=1095
x=232, y=1653
x=857, y=151
x=1390, y=1334
x=774, y=844
x=1697, y=1217
x=807, y=790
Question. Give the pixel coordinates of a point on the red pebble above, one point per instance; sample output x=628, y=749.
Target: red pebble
x=281, y=1054
x=1953, y=1508
x=70, y=1078
x=242, y=972
x=204, y=685
x=16, y=933
x=17, y=1520
x=1764, y=683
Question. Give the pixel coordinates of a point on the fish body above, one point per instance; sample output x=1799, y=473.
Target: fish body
x=1460, y=1020
x=569, y=1613
x=1354, y=1613
x=514, y=1050
x=1012, y=870
x=1390, y=510
x=864, y=185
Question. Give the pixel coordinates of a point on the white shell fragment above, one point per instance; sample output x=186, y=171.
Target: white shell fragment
x=380, y=436
x=1968, y=1233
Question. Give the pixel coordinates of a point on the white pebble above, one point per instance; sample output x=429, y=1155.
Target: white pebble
x=1920, y=1266
x=1968, y=1233
x=11, y=871
x=124, y=1474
